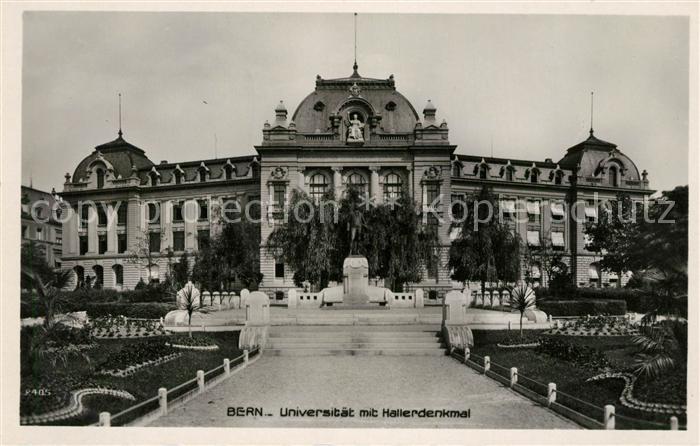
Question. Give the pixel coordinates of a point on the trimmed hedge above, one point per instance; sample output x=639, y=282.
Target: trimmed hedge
x=134, y=310
x=636, y=300
x=583, y=307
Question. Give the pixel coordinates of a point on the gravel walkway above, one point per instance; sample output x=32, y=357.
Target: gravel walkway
x=274, y=384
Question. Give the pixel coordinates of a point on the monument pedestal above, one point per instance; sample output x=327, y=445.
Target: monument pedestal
x=356, y=285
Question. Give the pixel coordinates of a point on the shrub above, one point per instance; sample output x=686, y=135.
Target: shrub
x=583, y=307
x=136, y=353
x=637, y=300
x=197, y=340
x=582, y=356
x=143, y=310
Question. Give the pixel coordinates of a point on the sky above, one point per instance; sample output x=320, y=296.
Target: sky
x=196, y=85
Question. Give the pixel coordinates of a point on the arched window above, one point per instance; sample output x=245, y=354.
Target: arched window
x=509, y=173
x=456, y=170
x=118, y=274
x=318, y=186
x=154, y=178
x=558, y=176
x=612, y=176
x=99, y=276
x=534, y=176
x=393, y=186
x=357, y=181
x=228, y=170
x=178, y=177
x=79, y=276
x=100, y=178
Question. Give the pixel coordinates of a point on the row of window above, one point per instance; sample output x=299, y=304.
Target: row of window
x=319, y=185
x=154, y=242
x=98, y=274
x=532, y=174
x=202, y=174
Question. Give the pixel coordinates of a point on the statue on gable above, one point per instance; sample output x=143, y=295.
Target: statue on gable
x=355, y=127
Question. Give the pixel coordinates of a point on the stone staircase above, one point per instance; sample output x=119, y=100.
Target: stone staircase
x=355, y=340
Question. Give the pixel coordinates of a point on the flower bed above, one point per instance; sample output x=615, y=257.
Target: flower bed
x=122, y=327
x=134, y=357
x=75, y=405
x=628, y=400
x=195, y=342
x=513, y=340
x=595, y=326
x=582, y=356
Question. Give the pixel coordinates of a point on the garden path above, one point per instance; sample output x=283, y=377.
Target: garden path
x=406, y=382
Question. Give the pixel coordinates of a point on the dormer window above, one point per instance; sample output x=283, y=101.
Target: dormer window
x=612, y=176
x=456, y=170
x=154, y=178
x=202, y=175
x=390, y=106
x=483, y=172
x=558, y=177
x=319, y=106
x=100, y=178
x=178, y=177
x=228, y=171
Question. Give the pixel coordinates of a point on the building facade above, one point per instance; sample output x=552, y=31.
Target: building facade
x=40, y=225
x=353, y=130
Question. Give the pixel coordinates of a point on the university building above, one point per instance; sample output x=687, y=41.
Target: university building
x=43, y=230
x=352, y=130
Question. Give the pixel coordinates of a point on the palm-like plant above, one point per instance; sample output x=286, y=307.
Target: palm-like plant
x=660, y=348
x=188, y=300
x=522, y=298
x=48, y=291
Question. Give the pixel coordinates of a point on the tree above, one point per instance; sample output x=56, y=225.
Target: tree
x=550, y=261
x=181, y=270
x=486, y=249
x=314, y=241
x=522, y=298
x=238, y=249
x=33, y=257
x=141, y=254
x=614, y=234
x=188, y=299
x=308, y=242
x=48, y=291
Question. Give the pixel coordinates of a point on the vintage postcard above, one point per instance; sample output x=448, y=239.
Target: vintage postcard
x=233, y=223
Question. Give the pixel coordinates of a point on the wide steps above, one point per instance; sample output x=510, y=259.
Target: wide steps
x=355, y=352
x=371, y=340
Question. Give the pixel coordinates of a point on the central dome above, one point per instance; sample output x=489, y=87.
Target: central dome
x=368, y=98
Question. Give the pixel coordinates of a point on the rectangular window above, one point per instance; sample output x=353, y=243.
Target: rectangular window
x=432, y=193
x=508, y=210
x=557, y=240
x=458, y=206
x=278, y=195
x=231, y=210
x=591, y=211
x=39, y=234
x=557, y=211
x=84, y=214
x=279, y=270
x=154, y=213
x=83, y=245
x=102, y=243
x=533, y=211
x=254, y=207
x=533, y=238
x=203, y=209
x=154, y=241
x=121, y=212
x=178, y=240
x=177, y=212
x=121, y=243
x=101, y=215
x=203, y=238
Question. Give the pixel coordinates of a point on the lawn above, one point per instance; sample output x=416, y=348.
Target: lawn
x=542, y=369
x=143, y=384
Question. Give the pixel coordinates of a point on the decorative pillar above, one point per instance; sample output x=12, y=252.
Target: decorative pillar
x=337, y=181
x=70, y=233
x=301, y=179
x=190, y=211
x=92, y=229
x=374, y=184
x=410, y=181
x=166, y=224
x=111, y=229
x=133, y=222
